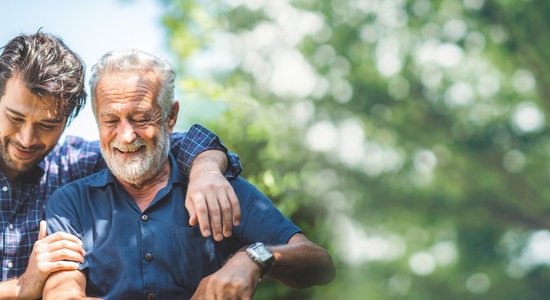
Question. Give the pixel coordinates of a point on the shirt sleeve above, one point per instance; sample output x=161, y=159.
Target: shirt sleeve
x=73, y=159
x=261, y=221
x=62, y=214
x=186, y=146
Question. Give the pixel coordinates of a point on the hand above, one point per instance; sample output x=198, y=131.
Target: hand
x=211, y=200
x=237, y=279
x=49, y=254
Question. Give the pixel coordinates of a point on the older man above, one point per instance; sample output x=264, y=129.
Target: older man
x=128, y=216
x=41, y=90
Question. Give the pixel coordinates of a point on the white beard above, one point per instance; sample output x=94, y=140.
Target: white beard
x=143, y=166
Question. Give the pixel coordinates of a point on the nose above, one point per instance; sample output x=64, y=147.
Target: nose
x=27, y=136
x=126, y=132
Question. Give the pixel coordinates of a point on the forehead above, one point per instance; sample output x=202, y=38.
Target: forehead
x=19, y=99
x=127, y=89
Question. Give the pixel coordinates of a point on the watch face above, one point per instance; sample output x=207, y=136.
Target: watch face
x=260, y=253
x=263, y=253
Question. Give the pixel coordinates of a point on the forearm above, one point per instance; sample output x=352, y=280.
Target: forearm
x=298, y=264
x=65, y=285
x=210, y=161
x=20, y=288
x=11, y=289
x=301, y=263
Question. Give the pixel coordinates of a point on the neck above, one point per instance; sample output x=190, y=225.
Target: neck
x=10, y=173
x=144, y=192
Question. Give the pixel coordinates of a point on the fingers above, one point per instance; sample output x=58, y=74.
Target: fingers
x=191, y=209
x=213, y=204
x=225, y=208
x=68, y=246
x=61, y=266
x=58, y=236
x=201, y=212
x=215, y=215
x=42, y=230
x=235, y=206
x=55, y=252
x=66, y=254
x=59, y=246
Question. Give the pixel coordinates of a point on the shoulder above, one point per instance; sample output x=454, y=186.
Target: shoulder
x=244, y=189
x=261, y=221
x=177, y=136
x=249, y=196
x=76, y=143
x=74, y=148
x=76, y=188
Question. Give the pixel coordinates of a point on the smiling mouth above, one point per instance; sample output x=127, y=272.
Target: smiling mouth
x=25, y=154
x=129, y=151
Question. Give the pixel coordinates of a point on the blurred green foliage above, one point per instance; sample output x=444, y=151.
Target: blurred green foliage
x=409, y=138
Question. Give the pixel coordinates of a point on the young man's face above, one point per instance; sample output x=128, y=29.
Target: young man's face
x=29, y=128
x=134, y=137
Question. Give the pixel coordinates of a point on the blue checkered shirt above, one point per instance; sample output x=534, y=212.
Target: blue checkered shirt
x=22, y=204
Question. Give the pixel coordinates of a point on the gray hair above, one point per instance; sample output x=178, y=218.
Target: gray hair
x=133, y=60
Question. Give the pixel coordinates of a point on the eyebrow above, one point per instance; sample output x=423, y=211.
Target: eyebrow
x=51, y=121
x=107, y=114
x=133, y=112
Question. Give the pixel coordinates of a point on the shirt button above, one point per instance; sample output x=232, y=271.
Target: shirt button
x=151, y=296
x=144, y=217
x=4, y=188
x=148, y=257
x=10, y=226
x=10, y=265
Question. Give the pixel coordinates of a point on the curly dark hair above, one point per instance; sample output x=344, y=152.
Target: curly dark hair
x=48, y=68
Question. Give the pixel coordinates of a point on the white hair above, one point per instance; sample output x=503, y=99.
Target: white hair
x=133, y=60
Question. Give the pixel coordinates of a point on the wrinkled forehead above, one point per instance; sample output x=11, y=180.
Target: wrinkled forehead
x=122, y=89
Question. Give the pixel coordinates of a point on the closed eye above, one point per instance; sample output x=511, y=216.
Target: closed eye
x=47, y=126
x=15, y=119
x=110, y=122
x=141, y=121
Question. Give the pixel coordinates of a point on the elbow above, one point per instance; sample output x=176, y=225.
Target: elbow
x=322, y=273
x=328, y=273
x=325, y=272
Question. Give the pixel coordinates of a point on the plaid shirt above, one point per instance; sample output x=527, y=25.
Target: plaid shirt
x=22, y=204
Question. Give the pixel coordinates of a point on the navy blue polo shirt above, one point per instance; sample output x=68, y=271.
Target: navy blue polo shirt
x=132, y=254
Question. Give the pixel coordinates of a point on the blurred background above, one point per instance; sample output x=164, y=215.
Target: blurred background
x=409, y=138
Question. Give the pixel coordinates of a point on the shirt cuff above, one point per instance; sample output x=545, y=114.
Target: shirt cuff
x=201, y=139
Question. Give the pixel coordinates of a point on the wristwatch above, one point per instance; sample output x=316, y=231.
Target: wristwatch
x=262, y=256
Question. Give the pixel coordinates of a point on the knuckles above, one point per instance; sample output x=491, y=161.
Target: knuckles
x=235, y=286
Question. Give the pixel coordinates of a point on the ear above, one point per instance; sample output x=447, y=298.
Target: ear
x=173, y=116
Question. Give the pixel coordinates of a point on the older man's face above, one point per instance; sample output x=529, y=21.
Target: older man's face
x=134, y=137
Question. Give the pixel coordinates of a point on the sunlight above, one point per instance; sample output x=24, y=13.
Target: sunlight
x=527, y=117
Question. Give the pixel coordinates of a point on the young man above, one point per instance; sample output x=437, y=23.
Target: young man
x=128, y=215
x=41, y=90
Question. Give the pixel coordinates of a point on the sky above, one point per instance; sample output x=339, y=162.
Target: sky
x=90, y=28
